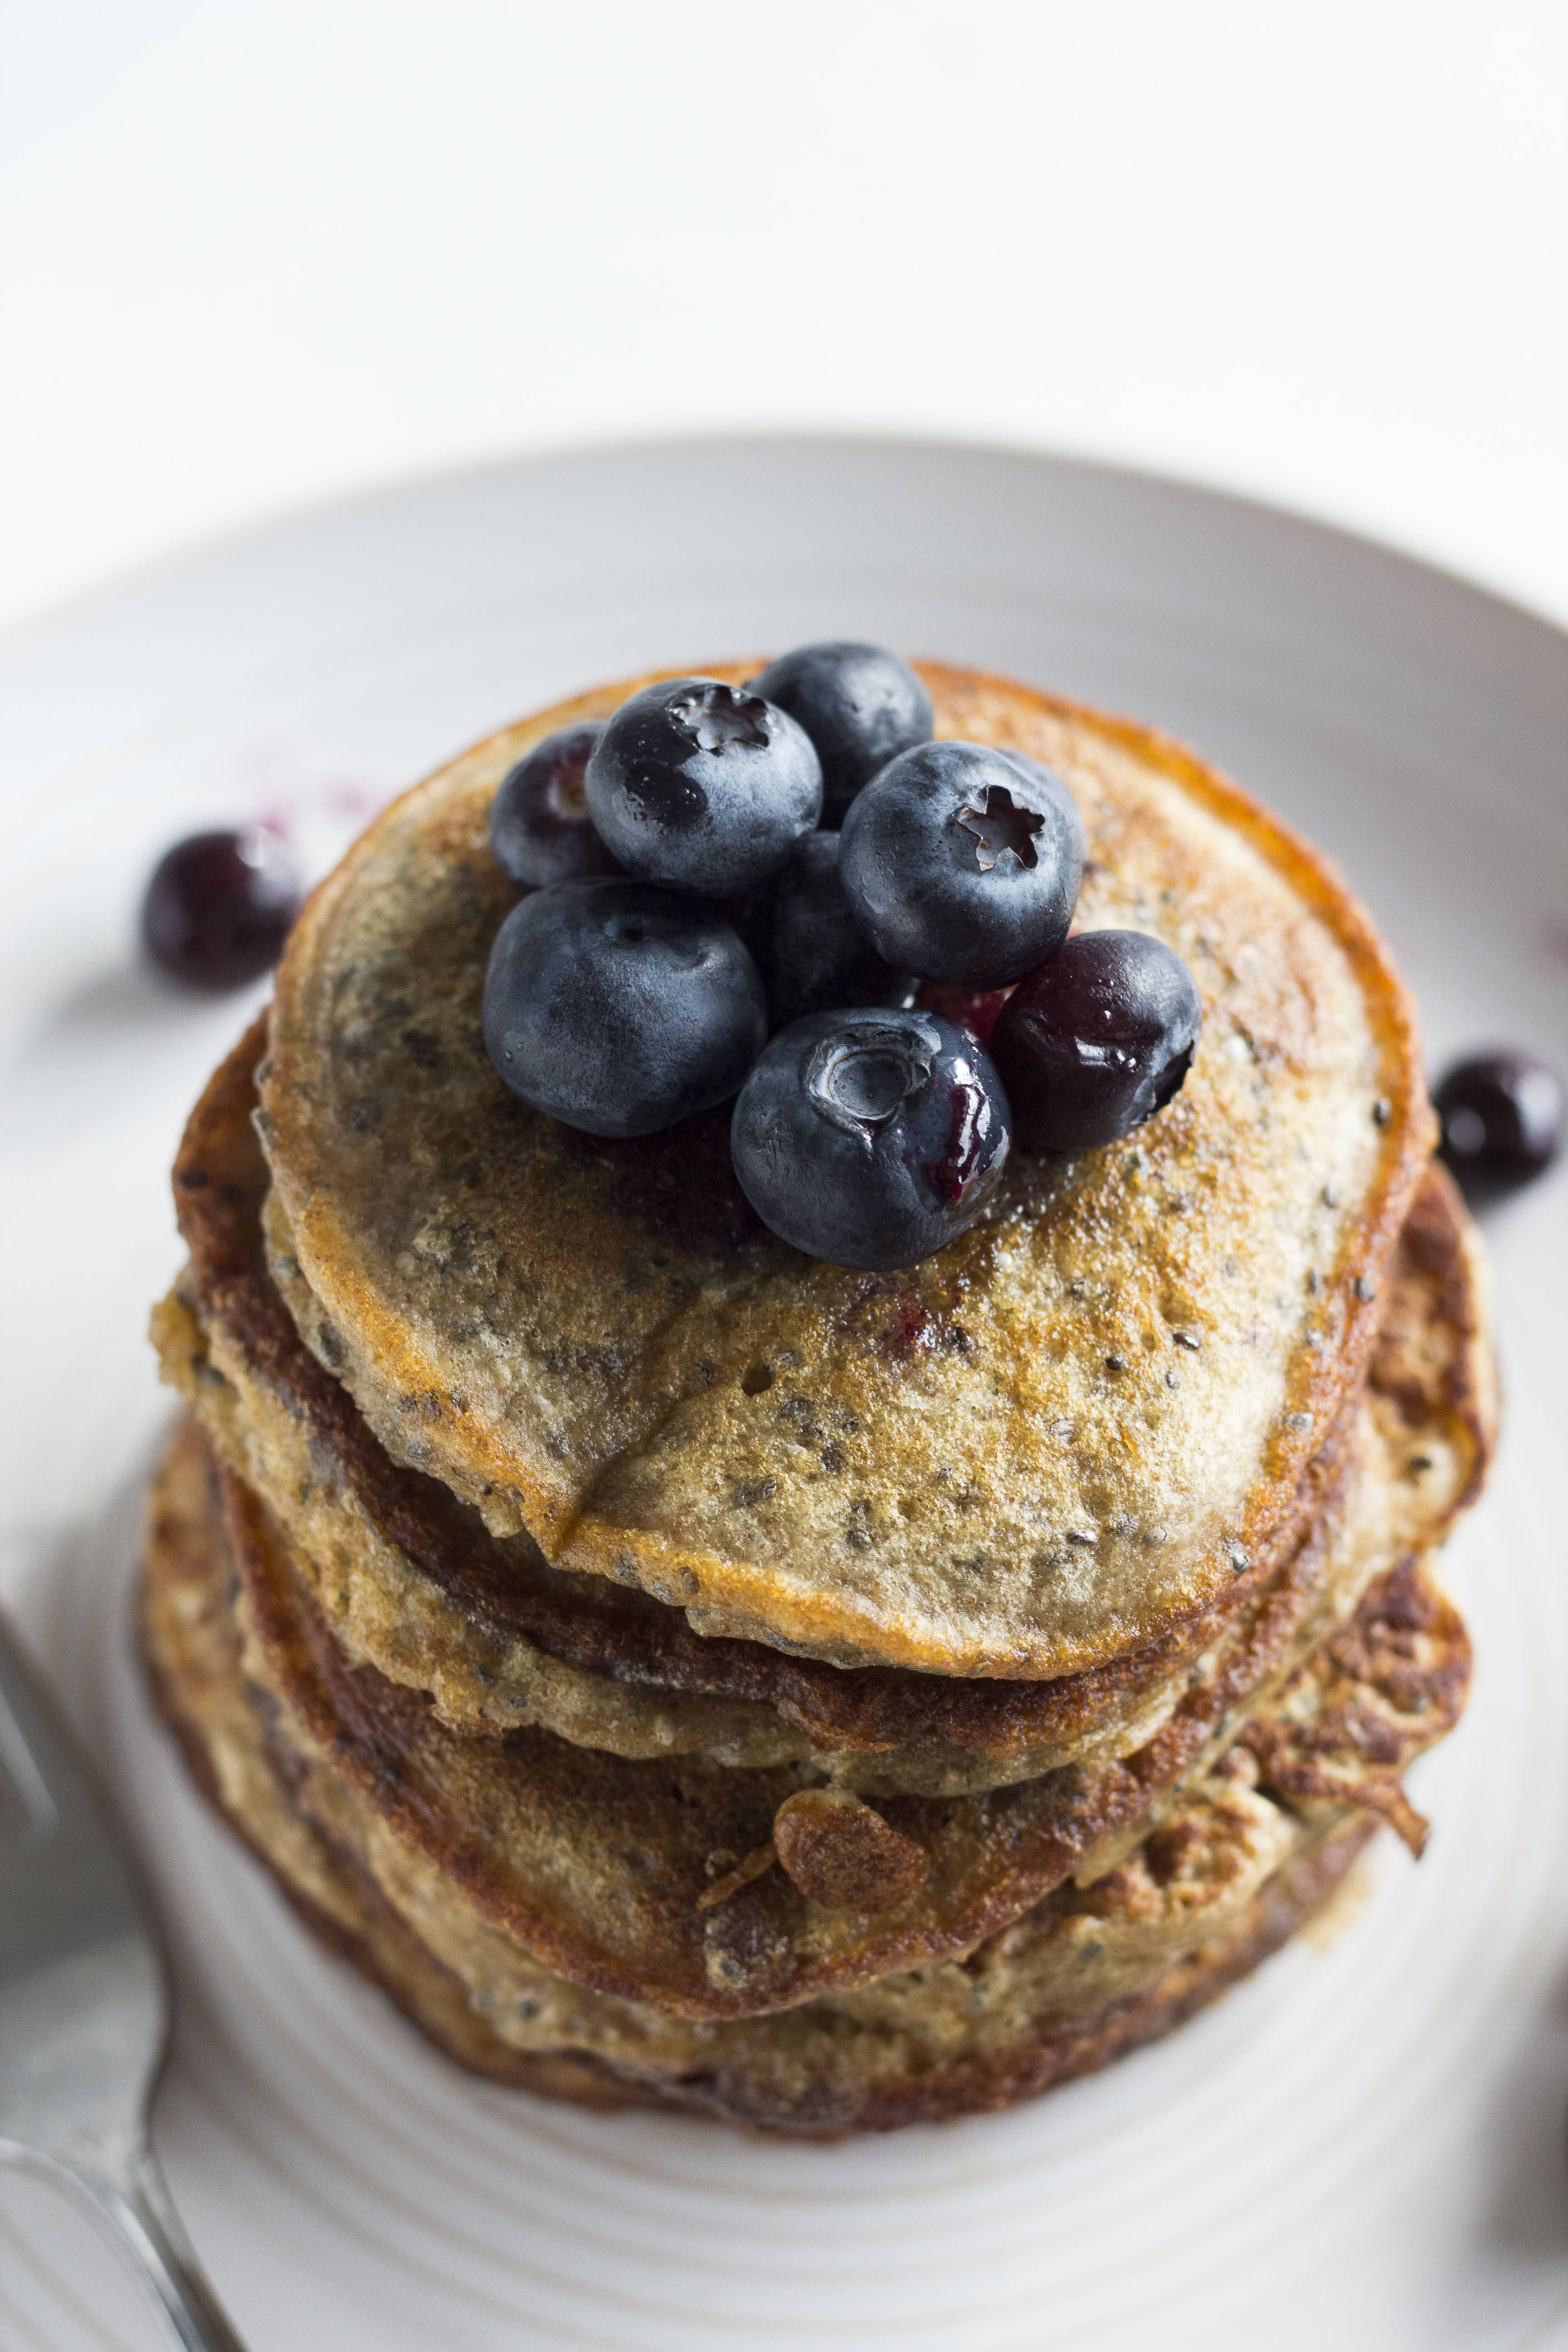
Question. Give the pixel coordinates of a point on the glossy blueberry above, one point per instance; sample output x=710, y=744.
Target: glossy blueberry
x=860, y=705
x=975, y=1009
x=219, y=906
x=818, y=957
x=541, y=831
x=870, y=1138
x=1098, y=1040
x=1502, y=1116
x=619, y=1007
x=1049, y=782
x=960, y=865
x=703, y=786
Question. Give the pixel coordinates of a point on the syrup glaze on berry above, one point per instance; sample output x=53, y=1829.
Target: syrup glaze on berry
x=953, y=1176
x=975, y=1009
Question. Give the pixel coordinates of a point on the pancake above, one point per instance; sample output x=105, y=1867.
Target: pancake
x=190, y=1649
x=684, y=1674
x=413, y=1583
x=671, y=1885
x=1090, y=1973
x=1044, y=1448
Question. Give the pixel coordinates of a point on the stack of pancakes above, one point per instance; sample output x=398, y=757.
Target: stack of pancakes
x=684, y=1673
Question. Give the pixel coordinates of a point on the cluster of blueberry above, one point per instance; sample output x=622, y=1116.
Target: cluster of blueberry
x=713, y=868
x=738, y=891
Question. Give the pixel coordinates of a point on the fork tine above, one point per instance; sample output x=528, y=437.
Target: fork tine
x=83, y=2004
x=66, y=1881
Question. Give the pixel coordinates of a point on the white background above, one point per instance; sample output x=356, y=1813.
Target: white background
x=253, y=252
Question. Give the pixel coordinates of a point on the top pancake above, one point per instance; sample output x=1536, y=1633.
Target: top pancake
x=1045, y=1446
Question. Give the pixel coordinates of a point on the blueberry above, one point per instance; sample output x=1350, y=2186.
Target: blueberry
x=860, y=705
x=541, y=831
x=219, y=906
x=975, y=1009
x=1502, y=1117
x=870, y=1138
x=818, y=957
x=1098, y=1040
x=704, y=786
x=960, y=865
x=1049, y=782
x=619, y=1007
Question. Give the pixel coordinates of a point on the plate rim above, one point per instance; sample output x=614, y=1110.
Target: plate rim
x=85, y=604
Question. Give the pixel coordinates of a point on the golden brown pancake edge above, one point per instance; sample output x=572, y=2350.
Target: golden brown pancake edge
x=634, y=1518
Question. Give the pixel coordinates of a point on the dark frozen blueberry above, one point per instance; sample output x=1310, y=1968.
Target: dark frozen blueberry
x=541, y=831
x=860, y=705
x=704, y=786
x=751, y=918
x=818, y=957
x=960, y=865
x=219, y=906
x=870, y=1138
x=1049, y=782
x=1502, y=1117
x=1098, y=1040
x=619, y=1007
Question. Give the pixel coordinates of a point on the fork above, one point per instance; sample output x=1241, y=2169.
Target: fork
x=84, y=2006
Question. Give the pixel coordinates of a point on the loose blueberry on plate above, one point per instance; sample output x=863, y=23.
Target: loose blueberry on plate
x=541, y=831
x=703, y=786
x=960, y=865
x=1502, y=1116
x=818, y=957
x=860, y=705
x=870, y=1138
x=619, y=1007
x=1098, y=1040
x=219, y=906
x=1049, y=782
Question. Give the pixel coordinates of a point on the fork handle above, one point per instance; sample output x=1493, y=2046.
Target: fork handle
x=138, y=2208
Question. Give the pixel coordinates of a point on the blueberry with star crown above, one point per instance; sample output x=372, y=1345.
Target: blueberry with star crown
x=703, y=786
x=961, y=866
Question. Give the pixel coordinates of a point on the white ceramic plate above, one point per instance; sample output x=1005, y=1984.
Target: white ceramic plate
x=1361, y=2147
